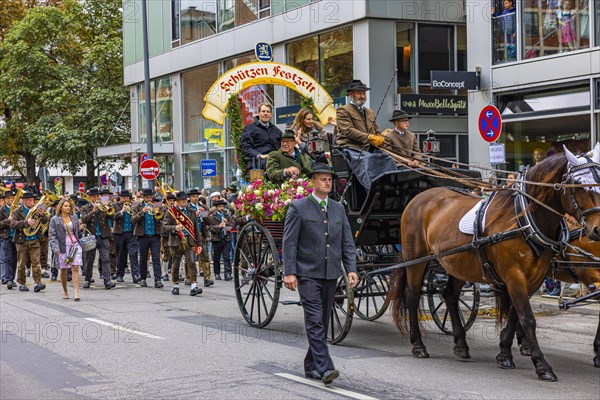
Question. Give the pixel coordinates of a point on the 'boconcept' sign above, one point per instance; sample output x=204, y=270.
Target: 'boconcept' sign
x=454, y=80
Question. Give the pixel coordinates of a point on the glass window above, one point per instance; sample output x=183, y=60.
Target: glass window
x=552, y=27
x=405, y=34
x=327, y=57
x=504, y=29
x=597, y=23
x=175, y=27
x=193, y=178
x=195, y=85
x=234, y=13
x=436, y=50
x=461, y=48
x=162, y=111
x=198, y=19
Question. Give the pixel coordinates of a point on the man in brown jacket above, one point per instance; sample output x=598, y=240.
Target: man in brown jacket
x=356, y=124
x=28, y=247
x=220, y=226
x=401, y=141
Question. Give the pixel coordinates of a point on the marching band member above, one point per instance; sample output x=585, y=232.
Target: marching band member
x=96, y=221
x=8, y=250
x=147, y=224
x=28, y=247
x=220, y=227
x=112, y=255
x=183, y=235
x=43, y=236
x=203, y=258
x=165, y=250
x=125, y=241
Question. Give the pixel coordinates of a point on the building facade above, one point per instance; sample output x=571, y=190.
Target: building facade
x=540, y=66
x=193, y=42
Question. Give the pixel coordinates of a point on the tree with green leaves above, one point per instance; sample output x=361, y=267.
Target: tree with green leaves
x=61, y=77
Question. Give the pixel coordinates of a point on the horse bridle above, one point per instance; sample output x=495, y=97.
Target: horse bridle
x=594, y=167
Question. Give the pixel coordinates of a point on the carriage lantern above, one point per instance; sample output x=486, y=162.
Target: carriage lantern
x=431, y=145
x=315, y=144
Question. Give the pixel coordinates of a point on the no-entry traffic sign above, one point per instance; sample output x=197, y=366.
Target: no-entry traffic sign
x=490, y=124
x=149, y=169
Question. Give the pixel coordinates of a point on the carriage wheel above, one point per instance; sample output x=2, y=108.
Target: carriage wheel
x=468, y=302
x=256, y=274
x=340, y=320
x=370, y=296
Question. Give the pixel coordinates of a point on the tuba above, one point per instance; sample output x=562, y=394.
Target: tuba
x=16, y=201
x=33, y=214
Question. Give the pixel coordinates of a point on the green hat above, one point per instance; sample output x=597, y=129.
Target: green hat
x=288, y=134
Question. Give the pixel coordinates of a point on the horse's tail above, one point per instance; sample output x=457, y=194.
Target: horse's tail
x=502, y=305
x=397, y=295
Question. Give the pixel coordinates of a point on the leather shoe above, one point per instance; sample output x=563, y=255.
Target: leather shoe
x=312, y=374
x=187, y=283
x=330, y=375
x=165, y=278
x=218, y=277
x=23, y=288
x=11, y=284
x=45, y=275
x=158, y=284
x=136, y=279
x=38, y=286
x=54, y=278
x=113, y=276
x=86, y=284
x=109, y=285
x=143, y=283
x=228, y=277
x=175, y=291
x=195, y=291
x=92, y=280
x=209, y=283
x=4, y=281
x=120, y=279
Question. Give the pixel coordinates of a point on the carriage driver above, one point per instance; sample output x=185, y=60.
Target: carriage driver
x=313, y=255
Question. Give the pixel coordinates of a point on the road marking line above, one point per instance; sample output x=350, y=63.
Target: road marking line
x=333, y=389
x=124, y=328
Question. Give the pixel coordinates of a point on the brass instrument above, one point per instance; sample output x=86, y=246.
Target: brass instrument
x=157, y=214
x=33, y=214
x=16, y=201
x=127, y=207
x=84, y=196
x=50, y=199
x=108, y=209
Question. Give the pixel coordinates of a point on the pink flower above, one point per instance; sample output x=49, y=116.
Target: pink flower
x=298, y=197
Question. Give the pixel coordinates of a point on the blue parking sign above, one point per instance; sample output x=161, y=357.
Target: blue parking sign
x=208, y=168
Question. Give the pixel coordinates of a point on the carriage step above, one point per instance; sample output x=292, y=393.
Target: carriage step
x=290, y=303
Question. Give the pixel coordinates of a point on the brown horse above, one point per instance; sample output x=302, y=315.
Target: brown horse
x=429, y=226
x=572, y=274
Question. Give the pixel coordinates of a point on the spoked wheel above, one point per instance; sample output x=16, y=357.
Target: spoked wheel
x=370, y=296
x=468, y=302
x=256, y=274
x=340, y=320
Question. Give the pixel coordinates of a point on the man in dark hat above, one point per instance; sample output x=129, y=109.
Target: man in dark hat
x=313, y=254
x=201, y=211
x=232, y=193
x=260, y=138
x=356, y=125
x=111, y=200
x=28, y=247
x=166, y=258
x=288, y=161
x=96, y=222
x=125, y=241
x=401, y=141
x=182, y=243
x=147, y=219
x=220, y=227
x=8, y=250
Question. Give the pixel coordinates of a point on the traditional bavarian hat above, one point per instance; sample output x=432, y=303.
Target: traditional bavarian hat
x=181, y=195
x=105, y=191
x=94, y=191
x=28, y=195
x=400, y=114
x=171, y=196
x=357, y=84
x=220, y=203
x=194, y=191
x=125, y=193
x=321, y=168
x=288, y=134
x=233, y=187
x=147, y=192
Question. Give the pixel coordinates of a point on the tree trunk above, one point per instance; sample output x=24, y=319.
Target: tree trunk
x=90, y=172
x=30, y=172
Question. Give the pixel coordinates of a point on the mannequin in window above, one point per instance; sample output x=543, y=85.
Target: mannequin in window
x=538, y=156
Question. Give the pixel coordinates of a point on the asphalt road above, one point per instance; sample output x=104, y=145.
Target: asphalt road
x=133, y=342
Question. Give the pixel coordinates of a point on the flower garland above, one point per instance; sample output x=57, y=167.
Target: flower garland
x=264, y=199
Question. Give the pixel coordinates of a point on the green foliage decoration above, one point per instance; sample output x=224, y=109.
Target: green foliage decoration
x=236, y=127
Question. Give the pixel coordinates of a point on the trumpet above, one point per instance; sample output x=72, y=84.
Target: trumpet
x=108, y=209
x=157, y=214
x=127, y=207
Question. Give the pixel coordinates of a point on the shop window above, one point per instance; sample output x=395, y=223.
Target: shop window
x=504, y=31
x=195, y=127
x=405, y=34
x=192, y=175
x=198, y=19
x=554, y=26
x=327, y=57
x=161, y=110
x=554, y=101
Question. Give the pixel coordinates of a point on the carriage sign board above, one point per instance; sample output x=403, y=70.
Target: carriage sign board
x=490, y=123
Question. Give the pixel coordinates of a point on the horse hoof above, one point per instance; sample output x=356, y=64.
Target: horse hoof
x=548, y=376
x=420, y=353
x=505, y=363
x=525, y=350
x=462, y=353
x=597, y=361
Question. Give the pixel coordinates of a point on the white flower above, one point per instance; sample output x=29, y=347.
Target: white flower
x=271, y=192
x=257, y=192
x=284, y=186
x=300, y=190
x=287, y=202
x=259, y=206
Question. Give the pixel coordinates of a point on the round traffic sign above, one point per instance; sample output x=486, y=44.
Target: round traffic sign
x=149, y=169
x=104, y=179
x=490, y=123
x=115, y=178
x=81, y=187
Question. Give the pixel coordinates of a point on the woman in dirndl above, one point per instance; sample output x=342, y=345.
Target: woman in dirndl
x=64, y=237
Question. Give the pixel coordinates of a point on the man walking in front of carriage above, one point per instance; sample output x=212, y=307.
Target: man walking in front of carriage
x=126, y=242
x=147, y=218
x=317, y=241
x=288, y=161
x=220, y=226
x=28, y=247
x=96, y=222
x=401, y=141
x=201, y=211
x=8, y=250
x=183, y=236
